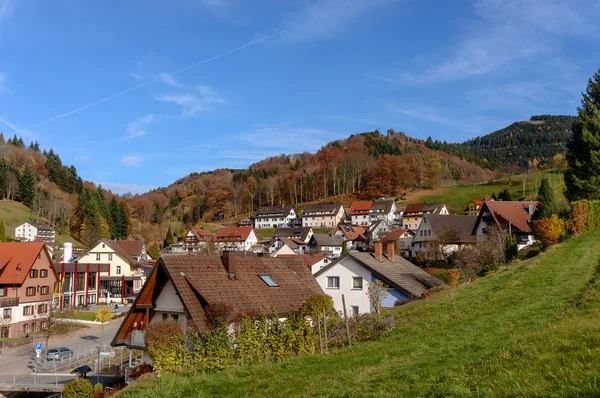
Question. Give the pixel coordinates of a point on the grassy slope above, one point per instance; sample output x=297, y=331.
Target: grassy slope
x=531, y=329
x=14, y=214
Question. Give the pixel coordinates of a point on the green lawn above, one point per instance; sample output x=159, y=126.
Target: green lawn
x=531, y=329
x=81, y=315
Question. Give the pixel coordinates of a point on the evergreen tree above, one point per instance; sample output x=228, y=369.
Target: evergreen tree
x=504, y=195
x=582, y=177
x=494, y=196
x=169, y=239
x=114, y=218
x=1, y=138
x=157, y=214
x=546, y=200
x=122, y=222
x=27, y=186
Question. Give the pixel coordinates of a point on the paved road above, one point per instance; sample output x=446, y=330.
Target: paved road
x=21, y=360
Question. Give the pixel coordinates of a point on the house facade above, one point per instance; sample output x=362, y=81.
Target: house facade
x=402, y=239
x=29, y=231
x=28, y=280
x=383, y=210
x=511, y=216
x=180, y=288
x=302, y=233
x=330, y=246
x=360, y=213
x=349, y=276
x=438, y=236
x=235, y=239
x=354, y=236
x=413, y=214
x=474, y=206
x=274, y=217
x=323, y=215
x=196, y=240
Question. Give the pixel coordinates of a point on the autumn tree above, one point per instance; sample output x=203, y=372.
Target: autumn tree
x=548, y=230
x=582, y=177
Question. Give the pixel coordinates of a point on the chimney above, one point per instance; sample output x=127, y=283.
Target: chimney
x=67, y=252
x=229, y=262
x=391, y=251
x=379, y=251
x=530, y=208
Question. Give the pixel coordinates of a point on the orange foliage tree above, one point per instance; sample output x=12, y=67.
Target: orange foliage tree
x=548, y=230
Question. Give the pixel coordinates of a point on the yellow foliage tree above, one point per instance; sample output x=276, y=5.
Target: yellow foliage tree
x=548, y=230
x=103, y=314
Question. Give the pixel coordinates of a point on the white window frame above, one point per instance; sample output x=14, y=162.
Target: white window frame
x=98, y=257
x=109, y=256
x=357, y=278
x=331, y=285
x=118, y=270
x=354, y=310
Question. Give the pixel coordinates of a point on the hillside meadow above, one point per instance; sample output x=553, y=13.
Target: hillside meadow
x=530, y=329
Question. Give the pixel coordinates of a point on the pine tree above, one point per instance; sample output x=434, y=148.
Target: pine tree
x=582, y=177
x=546, y=200
x=504, y=195
x=114, y=218
x=123, y=222
x=169, y=239
x=27, y=186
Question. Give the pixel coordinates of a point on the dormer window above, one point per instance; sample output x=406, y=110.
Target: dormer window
x=268, y=280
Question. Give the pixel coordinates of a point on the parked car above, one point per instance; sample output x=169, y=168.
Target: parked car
x=58, y=353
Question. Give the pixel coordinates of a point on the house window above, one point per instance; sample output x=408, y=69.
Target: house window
x=354, y=310
x=27, y=310
x=429, y=233
x=26, y=328
x=103, y=245
x=91, y=298
x=333, y=282
x=118, y=270
x=43, y=273
x=33, y=273
x=98, y=257
x=92, y=280
x=42, y=308
x=109, y=256
x=357, y=282
x=268, y=280
x=45, y=290
x=2, y=291
x=30, y=291
x=7, y=313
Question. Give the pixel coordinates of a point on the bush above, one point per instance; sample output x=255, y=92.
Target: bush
x=166, y=346
x=78, y=388
x=218, y=314
x=98, y=387
x=140, y=370
x=453, y=277
x=577, y=222
x=314, y=305
x=548, y=230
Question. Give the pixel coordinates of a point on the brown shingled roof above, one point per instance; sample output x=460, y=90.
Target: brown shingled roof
x=515, y=212
x=360, y=207
x=17, y=258
x=235, y=234
x=131, y=247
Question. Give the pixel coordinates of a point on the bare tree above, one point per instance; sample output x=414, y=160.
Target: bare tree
x=51, y=324
x=11, y=184
x=445, y=238
x=489, y=252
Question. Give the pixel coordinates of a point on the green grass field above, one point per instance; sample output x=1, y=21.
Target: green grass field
x=531, y=329
x=14, y=214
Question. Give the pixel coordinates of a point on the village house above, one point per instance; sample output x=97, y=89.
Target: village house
x=235, y=239
x=28, y=280
x=29, y=231
x=274, y=217
x=474, y=206
x=398, y=215
x=513, y=217
x=290, y=246
x=196, y=240
x=383, y=210
x=330, y=246
x=359, y=213
x=365, y=213
x=402, y=238
x=353, y=236
x=323, y=215
x=376, y=231
x=111, y=271
x=350, y=274
x=181, y=287
x=413, y=214
x=438, y=236
x=302, y=233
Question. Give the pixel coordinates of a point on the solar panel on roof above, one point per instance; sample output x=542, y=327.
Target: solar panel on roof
x=297, y=232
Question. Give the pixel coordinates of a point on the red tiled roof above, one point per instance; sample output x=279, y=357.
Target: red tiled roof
x=394, y=235
x=202, y=234
x=17, y=258
x=236, y=234
x=515, y=212
x=351, y=233
x=416, y=208
x=309, y=259
x=360, y=207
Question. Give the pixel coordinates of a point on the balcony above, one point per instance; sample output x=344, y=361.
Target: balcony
x=136, y=339
x=9, y=302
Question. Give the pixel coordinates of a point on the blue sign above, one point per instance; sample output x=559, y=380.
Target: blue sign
x=38, y=346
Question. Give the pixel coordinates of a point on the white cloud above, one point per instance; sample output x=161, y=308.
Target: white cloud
x=132, y=161
x=504, y=33
x=320, y=18
x=202, y=99
x=135, y=128
x=23, y=132
x=169, y=80
x=125, y=188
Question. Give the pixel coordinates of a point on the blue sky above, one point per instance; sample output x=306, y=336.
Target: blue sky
x=137, y=94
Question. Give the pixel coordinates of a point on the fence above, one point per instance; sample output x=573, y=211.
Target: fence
x=89, y=356
x=39, y=379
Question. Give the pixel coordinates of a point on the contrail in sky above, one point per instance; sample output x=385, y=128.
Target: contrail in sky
x=129, y=90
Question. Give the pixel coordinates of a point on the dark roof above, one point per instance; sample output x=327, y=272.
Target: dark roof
x=463, y=225
x=40, y=225
x=433, y=208
x=200, y=280
x=132, y=247
x=327, y=240
x=309, y=259
x=322, y=209
x=415, y=208
x=281, y=211
x=503, y=212
x=299, y=233
x=292, y=243
x=120, y=252
x=382, y=204
x=400, y=274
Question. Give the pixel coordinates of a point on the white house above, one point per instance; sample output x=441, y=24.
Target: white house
x=350, y=274
x=328, y=245
x=384, y=210
x=302, y=233
x=274, y=217
x=29, y=231
x=235, y=238
x=513, y=217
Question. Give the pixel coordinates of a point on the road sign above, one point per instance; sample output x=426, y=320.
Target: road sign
x=38, y=346
x=105, y=355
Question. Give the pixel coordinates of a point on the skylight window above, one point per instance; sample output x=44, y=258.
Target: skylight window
x=268, y=280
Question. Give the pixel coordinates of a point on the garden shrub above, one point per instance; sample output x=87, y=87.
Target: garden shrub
x=212, y=351
x=548, y=230
x=166, y=345
x=98, y=387
x=218, y=314
x=577, y=221
x=78, y=388
x=314, y=305
x=452, y=277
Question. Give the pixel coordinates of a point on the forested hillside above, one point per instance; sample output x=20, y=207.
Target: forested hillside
x=527, y=144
